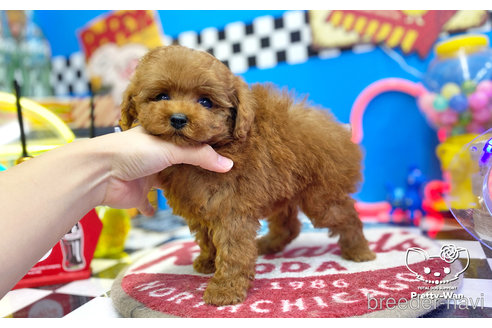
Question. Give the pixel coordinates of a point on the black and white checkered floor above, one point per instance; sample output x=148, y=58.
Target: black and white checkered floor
x=90, y=297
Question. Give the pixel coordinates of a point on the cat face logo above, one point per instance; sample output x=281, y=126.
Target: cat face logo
x=433, y=269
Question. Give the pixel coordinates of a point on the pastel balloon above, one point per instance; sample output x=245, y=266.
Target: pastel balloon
x=459, y=103
x=485, y=87
x=478, y=100
x=449, y=90
x=440, y=103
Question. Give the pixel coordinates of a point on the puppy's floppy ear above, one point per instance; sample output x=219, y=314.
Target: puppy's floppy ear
x=244, y=104
x=128, y=110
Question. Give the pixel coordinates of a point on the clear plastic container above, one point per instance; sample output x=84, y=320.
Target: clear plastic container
x=471, y=186
x=459, y=85
x=460, y=60
x=458, y=101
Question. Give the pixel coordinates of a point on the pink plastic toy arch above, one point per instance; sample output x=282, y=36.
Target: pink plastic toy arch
x=373, y=90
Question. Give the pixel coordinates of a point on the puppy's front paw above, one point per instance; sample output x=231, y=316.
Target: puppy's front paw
x=224, y=292
x=204, y=265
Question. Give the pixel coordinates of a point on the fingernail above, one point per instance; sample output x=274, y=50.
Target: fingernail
x=225, y=162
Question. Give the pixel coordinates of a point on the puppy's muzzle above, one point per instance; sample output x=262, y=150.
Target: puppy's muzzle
x=178, y=121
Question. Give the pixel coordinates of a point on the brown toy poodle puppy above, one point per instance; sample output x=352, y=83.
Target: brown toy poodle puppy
x=286, y=155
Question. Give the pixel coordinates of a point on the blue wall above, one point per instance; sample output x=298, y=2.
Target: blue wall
x=396, y=135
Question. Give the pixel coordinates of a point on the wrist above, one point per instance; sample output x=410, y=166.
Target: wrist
x=91, y=161
x=100, y=154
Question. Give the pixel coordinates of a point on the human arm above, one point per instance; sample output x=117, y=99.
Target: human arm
x=42, y=198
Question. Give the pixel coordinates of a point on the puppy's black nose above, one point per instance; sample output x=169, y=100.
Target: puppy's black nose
x=178, y=121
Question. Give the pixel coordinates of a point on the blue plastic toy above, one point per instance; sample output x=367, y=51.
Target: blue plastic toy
x=408, y=199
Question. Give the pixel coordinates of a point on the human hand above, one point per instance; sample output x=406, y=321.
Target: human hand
x=136, y=159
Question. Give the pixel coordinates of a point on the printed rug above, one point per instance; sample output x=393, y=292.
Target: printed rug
x=411, y=276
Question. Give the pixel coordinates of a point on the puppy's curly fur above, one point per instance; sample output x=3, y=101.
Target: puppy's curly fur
x=286, y=155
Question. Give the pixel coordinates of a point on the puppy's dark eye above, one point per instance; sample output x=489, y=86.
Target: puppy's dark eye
x=205, y=102
x=162, y=96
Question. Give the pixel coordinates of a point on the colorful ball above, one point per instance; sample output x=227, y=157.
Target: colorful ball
x=458, y=130
x=482, y=116
x=426, y=102
x=485, y=87
x=475, y=127
x=433, y=117
x=465, y=118
x=449, y=90
x=459, y=103
x=448, y=117
x=440, y=103
x=468, y=87
x=478, y=100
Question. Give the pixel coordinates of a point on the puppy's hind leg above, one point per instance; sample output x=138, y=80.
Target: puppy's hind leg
x=342, y=219
x=283, y=227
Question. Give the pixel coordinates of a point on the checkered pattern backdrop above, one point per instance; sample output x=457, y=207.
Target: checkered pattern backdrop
x=264, y=43
x=69, y=75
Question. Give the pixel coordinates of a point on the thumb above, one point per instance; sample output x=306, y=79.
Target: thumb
x=204, y=156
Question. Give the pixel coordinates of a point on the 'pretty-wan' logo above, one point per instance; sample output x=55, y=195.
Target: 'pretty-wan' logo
x=433, y=269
